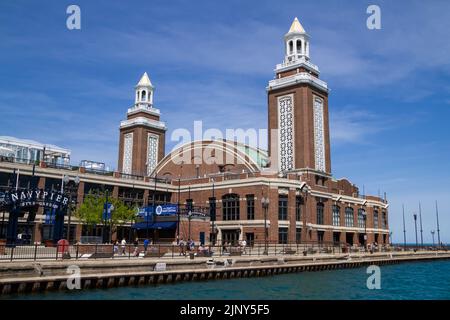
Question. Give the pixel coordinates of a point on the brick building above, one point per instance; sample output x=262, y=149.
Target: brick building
x=289, y=189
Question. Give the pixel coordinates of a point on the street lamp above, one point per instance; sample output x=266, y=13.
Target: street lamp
x=265, y=204
x=364, y=213
x=212, y=214
x=415, y=226
x=66, y=180
x=107, y=214
x=432, y=234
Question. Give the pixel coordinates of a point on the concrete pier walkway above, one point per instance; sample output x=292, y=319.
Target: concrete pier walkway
x=30, y=276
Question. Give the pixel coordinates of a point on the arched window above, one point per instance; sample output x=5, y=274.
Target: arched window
x=299, y=46
x=375, y=219
x=361, y=218
x=320, y=209
x=230, y=207
x=349, y=217
x=336, y=215
x=144, y=95
x=291, y=47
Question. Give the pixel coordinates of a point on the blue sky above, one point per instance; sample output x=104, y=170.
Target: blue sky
x=211, y=61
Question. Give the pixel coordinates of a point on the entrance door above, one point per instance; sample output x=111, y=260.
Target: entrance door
x=336, y=237
x=230, y=236
x=202, y=238
x=349, y=238
x=361, y=239
x=250, y=238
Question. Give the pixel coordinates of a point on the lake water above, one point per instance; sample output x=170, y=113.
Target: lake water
x=417, y=280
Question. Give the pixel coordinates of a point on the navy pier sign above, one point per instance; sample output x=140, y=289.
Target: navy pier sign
x=16, y=201
x=40, y=197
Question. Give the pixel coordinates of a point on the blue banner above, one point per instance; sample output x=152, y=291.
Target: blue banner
x=160, y=210
x=50, y=215
x=107, y=209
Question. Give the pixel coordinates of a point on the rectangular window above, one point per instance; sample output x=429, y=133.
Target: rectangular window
x=320, y=236
x=250, y=207
x=283, y=235
x=298, y=208
x=230, y=207
x=282, y=207
x=375, y=219
x=336, y=216
x=383, y=220
x=349, y=217
x=298, y=235
x=320, y=209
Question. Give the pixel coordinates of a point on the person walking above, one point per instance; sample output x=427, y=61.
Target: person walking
x=182, y=247
x=116, y=247
x=146, y=243
x=244, y=245
x=123, y=246
x=136, y=247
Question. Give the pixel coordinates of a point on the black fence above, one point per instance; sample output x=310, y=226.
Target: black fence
x=131, y=251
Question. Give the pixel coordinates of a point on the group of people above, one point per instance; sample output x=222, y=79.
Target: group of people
x=242, y=244
x=123, y=245
x=186, y=246
x=372, y=247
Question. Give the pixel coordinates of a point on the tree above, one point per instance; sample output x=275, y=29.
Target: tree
x=91, y=210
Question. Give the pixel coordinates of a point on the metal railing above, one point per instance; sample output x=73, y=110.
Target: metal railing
x=174, y=251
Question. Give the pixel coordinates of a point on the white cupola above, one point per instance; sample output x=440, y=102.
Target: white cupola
x=297, y=43
x=144, y=91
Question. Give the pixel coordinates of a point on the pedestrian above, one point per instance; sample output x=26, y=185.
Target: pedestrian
x=146, y=242
x=136, y=247
x=182, y=247
x=116, y=247
x=244, y=245
x=123, y=246
x=225, y=247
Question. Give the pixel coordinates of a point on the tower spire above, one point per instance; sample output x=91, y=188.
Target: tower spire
x=144, y=91
x=297, y=27
x=145, y=81
x=297, y=43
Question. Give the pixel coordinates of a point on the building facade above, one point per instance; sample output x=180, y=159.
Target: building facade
x=239, y=190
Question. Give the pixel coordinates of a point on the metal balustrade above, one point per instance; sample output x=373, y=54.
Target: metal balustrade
x=174, y=251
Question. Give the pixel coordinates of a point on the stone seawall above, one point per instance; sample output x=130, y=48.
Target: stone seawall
x=45, y=276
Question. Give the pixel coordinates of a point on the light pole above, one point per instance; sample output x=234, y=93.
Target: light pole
x=77, y=182
x=212, y=214
x=432, y=234
x=265, y=204
x=404, y=229
x=437, y=221
x=421, y=231
x=189, y=208
x=365, y=228
x=415, y=227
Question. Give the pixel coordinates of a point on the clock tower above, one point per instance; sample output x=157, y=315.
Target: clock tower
x=298, y=109
x=142, y=135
